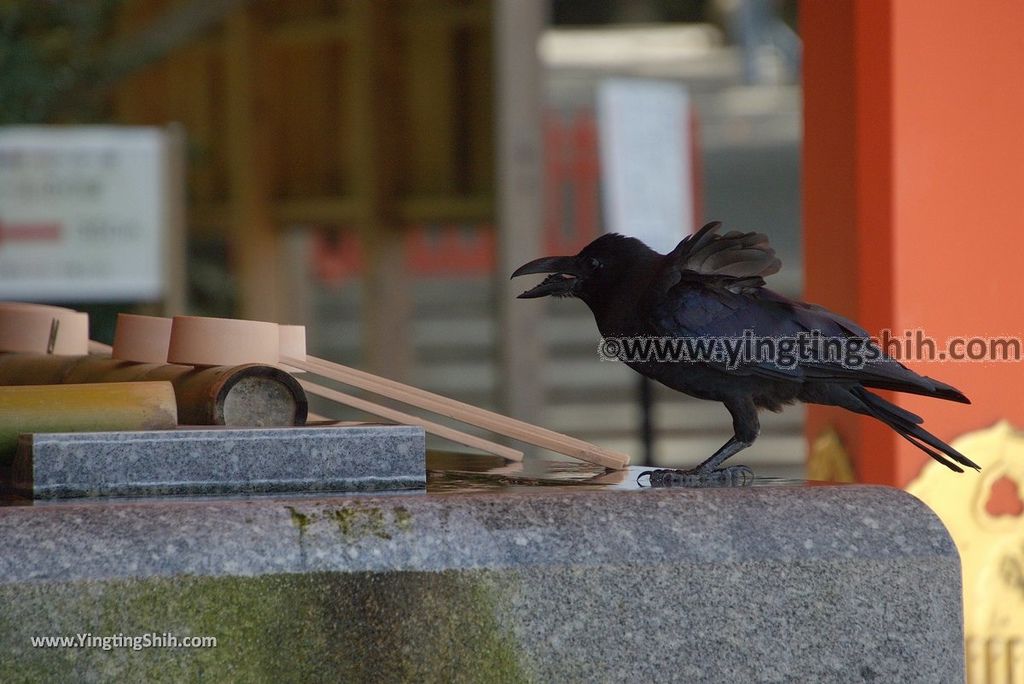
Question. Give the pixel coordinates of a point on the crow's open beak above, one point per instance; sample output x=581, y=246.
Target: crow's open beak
x=564, y=272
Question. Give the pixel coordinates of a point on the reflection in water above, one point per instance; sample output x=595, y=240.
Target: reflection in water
x=449, y=472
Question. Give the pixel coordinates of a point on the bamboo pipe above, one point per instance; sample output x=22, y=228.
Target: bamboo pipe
x=443, y=431
x=246, y=395
x=83, y=408
x=473, y=415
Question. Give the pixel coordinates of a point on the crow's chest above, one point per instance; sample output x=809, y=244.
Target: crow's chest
x=696, y=379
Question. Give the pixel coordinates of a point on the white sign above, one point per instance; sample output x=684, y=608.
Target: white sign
x=83, y=213
x=646, y=160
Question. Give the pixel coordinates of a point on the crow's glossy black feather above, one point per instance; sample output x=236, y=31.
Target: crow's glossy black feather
x=713, y=286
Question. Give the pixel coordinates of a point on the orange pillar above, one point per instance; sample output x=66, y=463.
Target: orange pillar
x=914, y=197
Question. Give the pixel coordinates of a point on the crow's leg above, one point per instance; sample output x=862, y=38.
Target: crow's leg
x=708, y=474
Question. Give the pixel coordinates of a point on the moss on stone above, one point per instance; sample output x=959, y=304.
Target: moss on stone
x=404, y=626
x=299, y=519
x=356, y=521
x=403, y=518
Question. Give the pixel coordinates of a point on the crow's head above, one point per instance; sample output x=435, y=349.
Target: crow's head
x=598, y=267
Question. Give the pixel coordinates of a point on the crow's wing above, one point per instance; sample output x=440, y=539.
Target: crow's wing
x=704, y=289
x=713, y=309
x=712, y=287
x=733, y=255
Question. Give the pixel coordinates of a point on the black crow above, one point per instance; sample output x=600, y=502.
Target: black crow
x=711, y=288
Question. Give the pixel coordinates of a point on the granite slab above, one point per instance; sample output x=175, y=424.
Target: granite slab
x=220, y=461
x=760, y=584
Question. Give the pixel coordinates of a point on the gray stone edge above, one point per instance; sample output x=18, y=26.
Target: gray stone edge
x=25, y=482
x=73, y=541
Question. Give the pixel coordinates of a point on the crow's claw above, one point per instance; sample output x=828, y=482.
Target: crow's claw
x=733, y=476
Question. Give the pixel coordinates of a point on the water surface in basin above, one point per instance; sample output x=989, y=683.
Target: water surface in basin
x=450, y=472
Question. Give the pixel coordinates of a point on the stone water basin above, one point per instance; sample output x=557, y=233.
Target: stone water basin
x=548, y=571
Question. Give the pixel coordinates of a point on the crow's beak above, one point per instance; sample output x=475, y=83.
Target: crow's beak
x=564, y=272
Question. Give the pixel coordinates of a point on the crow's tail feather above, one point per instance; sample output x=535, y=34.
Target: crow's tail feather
x=947, y=392
x=906, y=425
x=920, y=385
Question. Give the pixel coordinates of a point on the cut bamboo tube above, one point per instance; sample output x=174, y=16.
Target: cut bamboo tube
x=443, y=431
x=473, y=415
x=84, y=408
x=250, y=395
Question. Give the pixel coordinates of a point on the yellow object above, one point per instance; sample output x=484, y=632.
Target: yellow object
x=828, y=460
x=84, y=408
x=984, y=513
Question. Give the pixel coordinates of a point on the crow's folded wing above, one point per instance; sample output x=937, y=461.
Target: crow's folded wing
x=715, y=311
x=712, y=288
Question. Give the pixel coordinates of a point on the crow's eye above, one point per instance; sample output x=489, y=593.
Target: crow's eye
x=594, y=263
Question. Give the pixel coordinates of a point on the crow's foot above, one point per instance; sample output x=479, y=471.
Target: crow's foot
x=733, y=476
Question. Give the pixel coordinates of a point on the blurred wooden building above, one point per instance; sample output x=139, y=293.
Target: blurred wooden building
x=361, y=116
